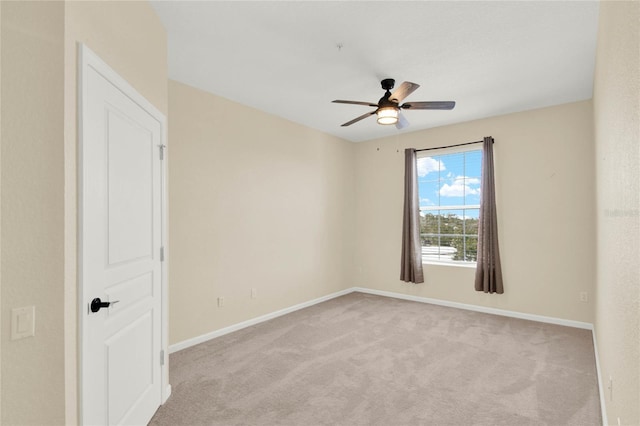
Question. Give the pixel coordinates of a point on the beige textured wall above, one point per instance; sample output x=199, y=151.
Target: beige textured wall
x=131, y=39
x=255, y=201
x=33, y=209
x=545, y=200
x=617, y=135
x=0, y=210
x=39, y=180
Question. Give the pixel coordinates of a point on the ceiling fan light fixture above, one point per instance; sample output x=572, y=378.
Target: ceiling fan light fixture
x=387, y=115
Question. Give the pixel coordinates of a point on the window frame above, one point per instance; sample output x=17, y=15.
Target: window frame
x=441, y=152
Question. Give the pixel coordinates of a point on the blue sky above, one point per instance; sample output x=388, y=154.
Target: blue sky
x=450, y=180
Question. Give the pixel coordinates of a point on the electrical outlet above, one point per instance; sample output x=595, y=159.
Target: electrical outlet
x=254, y=292
x=220, y=302
x=584, y=296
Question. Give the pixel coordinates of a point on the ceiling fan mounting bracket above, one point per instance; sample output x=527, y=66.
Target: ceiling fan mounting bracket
x=388, y=83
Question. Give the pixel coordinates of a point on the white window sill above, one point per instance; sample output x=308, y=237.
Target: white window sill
x=471, y=265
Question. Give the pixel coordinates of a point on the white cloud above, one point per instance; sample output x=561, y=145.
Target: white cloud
x=426, y=201
x=427, y=165
x=470, y=181
x=458, y=189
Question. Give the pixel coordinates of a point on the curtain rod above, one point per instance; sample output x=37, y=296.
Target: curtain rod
x=451, y=146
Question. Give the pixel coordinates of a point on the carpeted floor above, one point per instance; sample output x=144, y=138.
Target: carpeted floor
x=370, y=360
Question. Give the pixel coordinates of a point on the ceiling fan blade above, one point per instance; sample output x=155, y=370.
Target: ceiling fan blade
x=355, y=120
x=402, y=121
x=429, y=105
x=337, y=101
x=404, y=90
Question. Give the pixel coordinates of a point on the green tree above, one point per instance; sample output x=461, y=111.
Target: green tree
x=450, y=230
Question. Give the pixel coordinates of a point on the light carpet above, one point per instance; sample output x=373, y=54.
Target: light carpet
x=368, y=360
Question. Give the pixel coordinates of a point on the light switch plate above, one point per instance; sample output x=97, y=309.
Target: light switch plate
x=23, y=322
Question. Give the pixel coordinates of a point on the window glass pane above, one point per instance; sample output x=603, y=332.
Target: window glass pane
x=429, y=168
x=472, y=190
x=473, y=166
x=472, y=173
x=451, y=222
x=452, y=165
x=429, y=222
x=429, y=235
x=449, y=234
x=430, y=252
x=428, y=193
x=471, y=221
x=471, y=248
x=457, y=244
x=452, y=191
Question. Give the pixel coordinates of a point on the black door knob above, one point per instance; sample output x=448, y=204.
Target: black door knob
x=96, y=304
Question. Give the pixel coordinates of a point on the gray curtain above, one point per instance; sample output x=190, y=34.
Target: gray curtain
x=411, y=268
x=488, y=271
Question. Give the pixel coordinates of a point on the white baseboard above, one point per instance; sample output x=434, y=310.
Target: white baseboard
x=476, y=308
x=239, y=326
x=166, y=394
x=244, y=324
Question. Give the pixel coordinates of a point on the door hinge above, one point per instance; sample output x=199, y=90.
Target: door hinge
x=161, y=254
x=162, y=357
x=162, y=147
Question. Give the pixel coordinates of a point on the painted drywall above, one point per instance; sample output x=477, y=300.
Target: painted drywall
x=545, y=202
x=255, y=201
x=0, y=211
x=39, y=198
x=130, y=38
x=33, y=209
x=617, y=140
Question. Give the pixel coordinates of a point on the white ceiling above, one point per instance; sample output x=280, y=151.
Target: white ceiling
x=282, y=57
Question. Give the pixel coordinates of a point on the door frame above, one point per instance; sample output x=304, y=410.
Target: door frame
x=88, y=59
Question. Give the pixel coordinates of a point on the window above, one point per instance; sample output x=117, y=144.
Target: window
x=449, y=191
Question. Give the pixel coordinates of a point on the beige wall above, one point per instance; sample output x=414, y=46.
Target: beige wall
x=33, y=209
x=617, y=135
x=545, y=200
x=255, y=201
x=0, y=210
x=130, y=38
x=39, y=149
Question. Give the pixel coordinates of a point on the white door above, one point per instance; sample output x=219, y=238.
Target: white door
x=120, y=255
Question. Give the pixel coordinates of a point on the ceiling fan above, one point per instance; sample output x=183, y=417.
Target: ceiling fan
x=388, y=107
